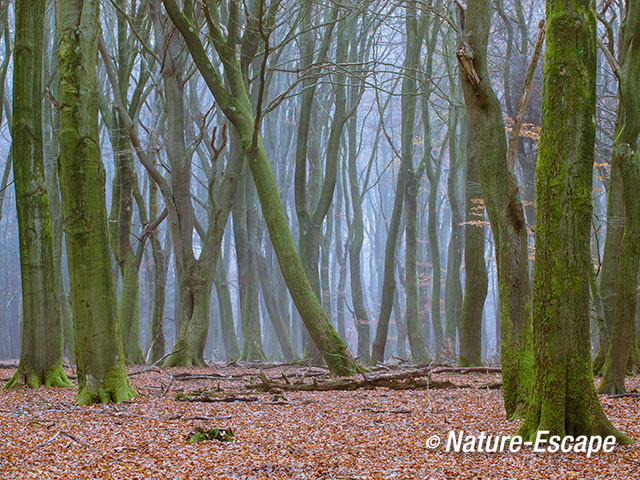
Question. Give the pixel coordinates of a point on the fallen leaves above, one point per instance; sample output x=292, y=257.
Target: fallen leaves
x=374, y=433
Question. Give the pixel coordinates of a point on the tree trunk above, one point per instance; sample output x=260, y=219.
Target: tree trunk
x=417, y=343
x=99, y=354
x=52, y=142
x=453, y=286
x=160, y=264
x=625, y=155
x=476, y=279
x=564, y=400
x=504, y=208
x=275, y=312
x=611, y=255
x=227, y=327
x=42, y=346
x=244, y=233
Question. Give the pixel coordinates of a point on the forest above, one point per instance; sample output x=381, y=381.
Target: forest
x=307, y=239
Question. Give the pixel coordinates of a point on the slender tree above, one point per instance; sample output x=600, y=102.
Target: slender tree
x=42, y=346
x=627, y=160
x=476, y=279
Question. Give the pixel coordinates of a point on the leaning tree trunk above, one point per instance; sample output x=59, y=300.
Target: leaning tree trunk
x=42, y=346
x=99, y=354
x=504, y=208
x=237, y=108
x=564, y=400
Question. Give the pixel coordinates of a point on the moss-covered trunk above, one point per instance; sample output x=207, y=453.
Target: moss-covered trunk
x=42, y=346
x=99, y=354
x=564, y=400
x=52, y=143
x=503, y=205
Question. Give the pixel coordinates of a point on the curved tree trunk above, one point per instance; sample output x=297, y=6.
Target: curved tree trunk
x=504, y=208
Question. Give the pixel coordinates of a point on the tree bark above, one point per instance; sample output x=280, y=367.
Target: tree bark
x=564, y=400
x=476, y=279
x=625, y=155
x=42, y=345
x=504, y=208
x=99, y=354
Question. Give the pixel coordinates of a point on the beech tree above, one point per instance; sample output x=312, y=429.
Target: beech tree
x=42, y=346
x=504, y=207
x=627, y=161
x=236, y=106
x=564, y=400
x=99, y=354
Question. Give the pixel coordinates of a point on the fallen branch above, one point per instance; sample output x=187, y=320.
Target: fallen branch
x=213, y=376
x=72, y=437
x=40, y=445
x=154, y=365
x=466, y=370
x=373, y=410
x=402, y=381
x=211, y=397
x=624, y=395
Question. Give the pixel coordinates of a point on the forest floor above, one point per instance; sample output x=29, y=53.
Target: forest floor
x=359, y=434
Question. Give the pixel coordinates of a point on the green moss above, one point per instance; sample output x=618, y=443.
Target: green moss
x=30, y=378
x=55, y=377
x=114, y=387
x=219, y=434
